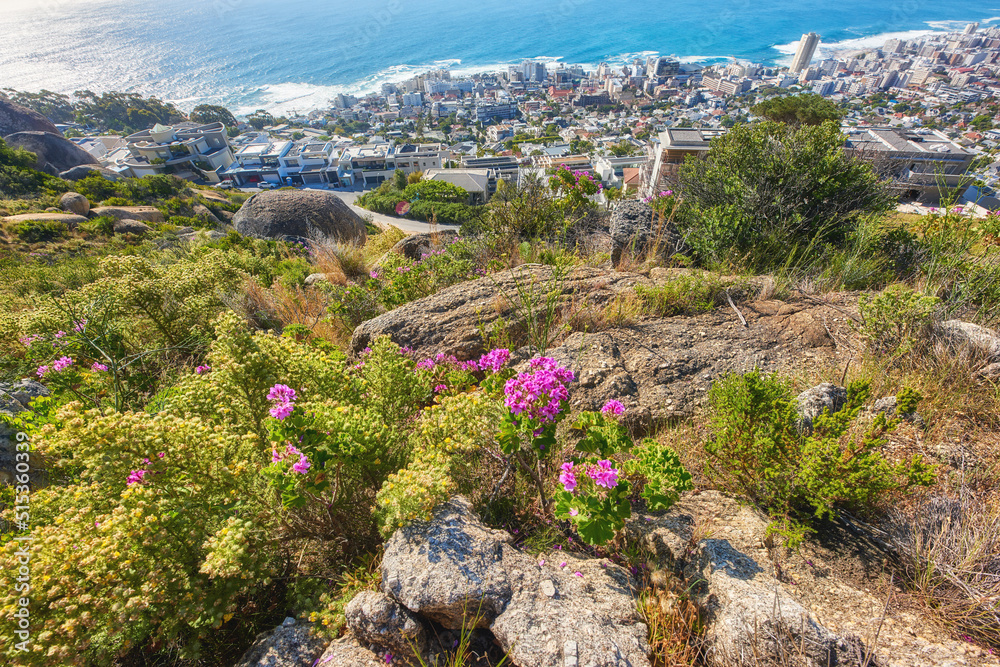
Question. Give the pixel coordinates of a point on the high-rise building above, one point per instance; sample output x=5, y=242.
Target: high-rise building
x=971, y=29
x=532, y=70
x=804, y=54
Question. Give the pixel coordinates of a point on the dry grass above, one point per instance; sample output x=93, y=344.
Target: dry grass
x=280, y=306
x=380, y=244
x=622, y=311
x=675, y=623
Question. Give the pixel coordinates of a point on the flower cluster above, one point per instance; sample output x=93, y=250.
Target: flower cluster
x=538, y=395
x=283, y=399
x=135, y=477
x=201, y=370
x=98, y=366
x=301, y=466
x=59, y=365
x=494, y=360
x=603, y=473
x=613, y=407
x=567, y=478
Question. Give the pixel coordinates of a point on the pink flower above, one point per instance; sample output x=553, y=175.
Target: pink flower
x=79, y=326
x=578, y=574
x=540, y=393
x=99, y=367
x=373, y=274
x=62, y=363
x=494, y=360
x=42, y=370
x=426, y=364
x=573, y=511
x=201, y=370
x=302, y=466
x=604, y=474
x=562, y=564
x=135, y=477
x=161, y=454
x=60, y=334
x=541, y=562
x=439, y=388
x=567, y=478
x=281, y=410
x=613, y=407
x=283, y=398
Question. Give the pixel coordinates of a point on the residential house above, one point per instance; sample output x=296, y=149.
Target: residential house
x=185, y=147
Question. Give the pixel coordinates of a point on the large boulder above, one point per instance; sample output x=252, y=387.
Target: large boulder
x=291, y=644
x=299, y=214
x=71, y=220
x=377, y=620
x=85, y=170
x=658, y=367
x=74, y=202
x=417, y=246
x=53, y=152
x=144, y=213
x=636, y=230
x=15, y=118
x=132, y=227
x=765, y=604
x=970, y=340
x=204, y=214
x=556, y=610
x=346, y=653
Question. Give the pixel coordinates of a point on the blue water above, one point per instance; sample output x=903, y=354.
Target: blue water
x=295, y=54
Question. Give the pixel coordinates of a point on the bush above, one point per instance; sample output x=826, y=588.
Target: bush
x=768, y=192
x=895, y=320
x=683, y=293
x=103, y=225
x=757, y=451
x=38, y=231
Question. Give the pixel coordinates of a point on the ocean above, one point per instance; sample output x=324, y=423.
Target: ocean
x=294, y=55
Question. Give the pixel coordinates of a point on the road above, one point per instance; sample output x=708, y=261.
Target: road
x=348, y=196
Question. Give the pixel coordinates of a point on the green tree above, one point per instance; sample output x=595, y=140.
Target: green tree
x=19, y=177
x=259, y=119
x=769, y=189
x=210, y=113
x=982, y=123
x=804, y=109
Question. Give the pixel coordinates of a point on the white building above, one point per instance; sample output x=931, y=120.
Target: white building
x=186, y=147
x=804, y=54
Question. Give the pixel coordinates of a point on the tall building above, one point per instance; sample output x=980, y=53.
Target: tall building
x=804, y=54
x=971, y=29
x=533, y=70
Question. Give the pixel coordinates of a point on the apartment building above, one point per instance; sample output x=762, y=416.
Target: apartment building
x=186, y=147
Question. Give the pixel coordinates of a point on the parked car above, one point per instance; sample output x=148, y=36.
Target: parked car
x=264, y=185
x=225, y=185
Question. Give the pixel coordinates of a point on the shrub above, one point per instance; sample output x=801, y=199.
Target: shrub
x=768, y=191
x=757, y=451
x=39, y=231
x=683, y=293
x=103, y=225
x=896, y=319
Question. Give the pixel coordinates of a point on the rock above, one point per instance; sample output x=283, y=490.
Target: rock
x=815, y=401
x=299, y=214
x=376, y=619
x=285, y=646
x=449, y=568
x=458, y=572
x=450, y=320
x=227, y=216
x=25, y=390
x=74, y=202
x=887, y=405
x=314, y=278
x=53, y=152
x=415, y=246
x=85, y=170
x=202, y=235
x=132, y=227
x=203, y=213
x=343, y=653
x=761, y=599
x=70, y=220
x=16, y=118
x=991, y=372
x=143, y=213
x=9, y=404
x=637, y=230
x=970, y=340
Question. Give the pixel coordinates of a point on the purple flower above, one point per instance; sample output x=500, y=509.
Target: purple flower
x=604, y=474
x=42, y=370
x=283, y=398
x=99, y=367
x=439, y=388
x=302, y=466
x=135, y=477
x=62, y=363
x=373, y=274
x=79, y=326
x=567, y=478
x=161, y=454
x=494, y=360
x=201, y=370
x=426, y=364
x=958, y=209
x=539, y=394
x=60, y=334
x=573, y=511
x=613, y=407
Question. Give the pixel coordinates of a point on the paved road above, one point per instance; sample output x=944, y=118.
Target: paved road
x=407, y=225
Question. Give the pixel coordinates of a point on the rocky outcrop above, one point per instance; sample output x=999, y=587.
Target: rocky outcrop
x=85, y=170
x=813, y=402
x=69, y=219
x=556, y=610
x=132, y=227
x=16, y=118
x=378, y=620
x=143, y=213
x=417, y=246
x=76, y=203
x=54, y=153
x=16, y=397
x=203, y=213
x=804, y=607
x=291, y=644
x=299, y=214
x=637, y=230
x=346, y=653
x=970, y=340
